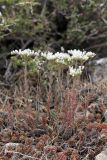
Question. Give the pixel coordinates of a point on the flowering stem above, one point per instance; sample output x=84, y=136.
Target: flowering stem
x=26, y=88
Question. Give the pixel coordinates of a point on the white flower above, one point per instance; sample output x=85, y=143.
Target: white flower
x=48, y=55
x=76, y=71
x=81, y=55
x=90, y=54
x=59, y=57
x=76, y=54
x=27, y=52
x=62, y=58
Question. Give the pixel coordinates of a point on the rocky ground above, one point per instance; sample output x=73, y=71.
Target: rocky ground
x=75, y=131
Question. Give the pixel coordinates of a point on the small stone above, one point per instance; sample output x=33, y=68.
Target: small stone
x=10, y=147
x=98, y=69
x=101, y=156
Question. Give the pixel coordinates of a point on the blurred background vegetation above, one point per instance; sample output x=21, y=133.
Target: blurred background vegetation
x=48, y=25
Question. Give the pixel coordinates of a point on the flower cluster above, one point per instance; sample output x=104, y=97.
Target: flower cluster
x=76, y=71
x=58, y=57
x=26, y=52
x=79, y=55
x=69, y=58
x=70, y=55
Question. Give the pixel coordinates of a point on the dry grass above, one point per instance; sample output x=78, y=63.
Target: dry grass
x=72, y=127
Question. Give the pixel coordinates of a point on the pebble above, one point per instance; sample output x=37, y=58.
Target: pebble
x=101, y=156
